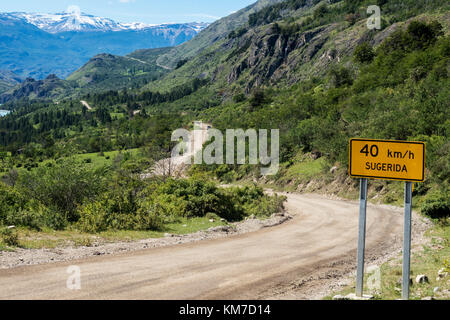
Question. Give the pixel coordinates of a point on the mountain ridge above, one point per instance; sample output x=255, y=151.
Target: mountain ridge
x=29, y=51
x=82, y=22
x=214, y=32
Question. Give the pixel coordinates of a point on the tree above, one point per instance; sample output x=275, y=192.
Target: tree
x=258, y=98
x=364, y=53
x=320, y=11
x=422, y=34
x=341, y=77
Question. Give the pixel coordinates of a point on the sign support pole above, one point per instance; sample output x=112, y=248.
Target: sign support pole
x=362, y=236
x=407, y=241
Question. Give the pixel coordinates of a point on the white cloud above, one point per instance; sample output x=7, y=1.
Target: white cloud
x=126, y=1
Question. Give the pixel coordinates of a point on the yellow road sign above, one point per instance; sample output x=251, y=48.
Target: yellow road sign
x=386, y=159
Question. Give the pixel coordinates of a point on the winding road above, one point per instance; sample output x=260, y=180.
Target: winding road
x=84, y=103
x=291, y=260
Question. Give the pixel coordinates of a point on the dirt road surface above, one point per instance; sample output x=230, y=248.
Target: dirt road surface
x=292, y=260
x=84, y=103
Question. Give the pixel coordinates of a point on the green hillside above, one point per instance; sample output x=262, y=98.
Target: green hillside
x=106, y=71
x=103, y=72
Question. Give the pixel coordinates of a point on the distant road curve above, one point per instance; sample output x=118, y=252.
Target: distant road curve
x=318, y=243
x=84, y=103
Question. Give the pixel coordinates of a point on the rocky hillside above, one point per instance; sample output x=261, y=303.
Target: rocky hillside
x=270, y=43
x=215, y=32
x=297, y=42
x=51, y=87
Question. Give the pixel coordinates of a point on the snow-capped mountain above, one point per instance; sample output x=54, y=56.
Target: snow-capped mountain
x=81, y=22
x=37, y=44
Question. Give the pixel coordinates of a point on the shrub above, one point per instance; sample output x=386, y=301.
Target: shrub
x=36, y=216
x=320, y=11
x=93, y=218
x=150, y=216
x=364, y=53
x=266, y=206
x=194, y=197
x=64, y=186
x=181, y=63
x=26, y=218
x=341, y=77
x=11, y=201
x=240, y=97
x=436, y=205
x=9, y=236
x=212, y=216
x=259, y=97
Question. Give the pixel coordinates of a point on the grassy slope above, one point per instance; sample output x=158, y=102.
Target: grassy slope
x=108, y=72
x=426, y=259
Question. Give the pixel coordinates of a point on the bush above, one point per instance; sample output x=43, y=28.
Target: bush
x=436, y=205
x=240, y=97
x=259, y=97
x=194, y=198
x=266, y=206
x=150, y=216
x=181, y=63
x=64, y=186
x=9, y=237
x=36, y=216
x=93, y=218
x=11, y=201
x=341, y=77
x=364, y=53
x=320, y=11
x=26, y=218
x=212, y=216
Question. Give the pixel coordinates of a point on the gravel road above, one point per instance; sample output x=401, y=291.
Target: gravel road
x=298, y=259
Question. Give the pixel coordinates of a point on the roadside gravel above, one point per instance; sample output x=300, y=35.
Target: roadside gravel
x=26, y=257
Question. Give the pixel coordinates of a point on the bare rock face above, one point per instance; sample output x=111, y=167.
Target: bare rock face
x=39, y=88
x=272, y=54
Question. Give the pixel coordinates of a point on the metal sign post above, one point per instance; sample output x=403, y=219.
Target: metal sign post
x=362, y=236
x=387, y=160
x=407, y=241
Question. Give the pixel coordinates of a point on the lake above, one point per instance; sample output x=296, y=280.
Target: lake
x=4, y=112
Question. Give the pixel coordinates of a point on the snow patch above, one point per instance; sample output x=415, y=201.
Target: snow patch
x=74, y=20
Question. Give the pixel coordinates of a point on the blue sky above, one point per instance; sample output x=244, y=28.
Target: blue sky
x=148, y=11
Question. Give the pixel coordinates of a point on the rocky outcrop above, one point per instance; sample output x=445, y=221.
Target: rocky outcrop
x=268, y=54
x=34, y=88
